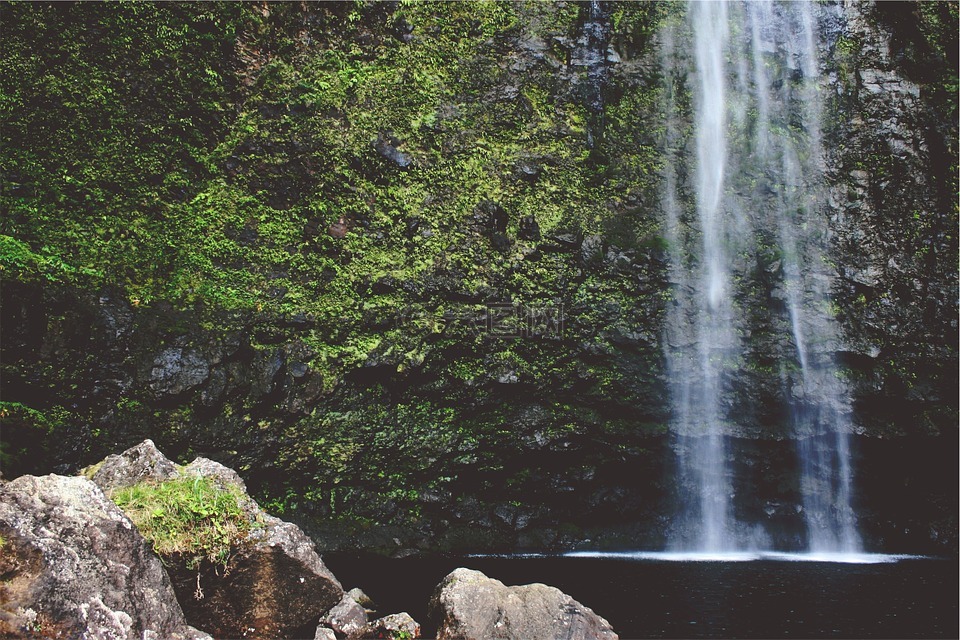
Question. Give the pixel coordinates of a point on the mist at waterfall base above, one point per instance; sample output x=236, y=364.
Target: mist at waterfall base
x=650, y=598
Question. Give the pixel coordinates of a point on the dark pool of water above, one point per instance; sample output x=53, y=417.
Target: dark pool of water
x=914, y=598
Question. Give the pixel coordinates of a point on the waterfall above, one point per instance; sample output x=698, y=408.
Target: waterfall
x=756, y=161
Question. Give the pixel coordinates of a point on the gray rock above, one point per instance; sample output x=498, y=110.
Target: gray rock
x=266, y=365
x=298, y=369
x=612, y=56
x=592, y=249
x=176, y=370
x=74, y=566
x=529, y=169
x=396, y=625
x=324, y=633
x=221, y=475
x=467, y=605
x=133, y=466
x=362, y=599
x=276, y=584
x=347, y=618
x=213, y=392
x=386, y=146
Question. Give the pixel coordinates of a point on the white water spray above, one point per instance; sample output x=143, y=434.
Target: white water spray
x=757, y=172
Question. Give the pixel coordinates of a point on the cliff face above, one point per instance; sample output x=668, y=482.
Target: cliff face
x=892, y=165
x=403, y=267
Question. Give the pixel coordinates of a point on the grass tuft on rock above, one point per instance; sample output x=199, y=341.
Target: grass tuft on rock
x=192, y=518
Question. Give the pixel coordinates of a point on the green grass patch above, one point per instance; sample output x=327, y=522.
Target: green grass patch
x=191, y=518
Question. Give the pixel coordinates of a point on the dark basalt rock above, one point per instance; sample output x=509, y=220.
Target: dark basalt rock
x=176, y=370
x=490, y=216
x=529, y=229
x=386, y=145
x=529, y=169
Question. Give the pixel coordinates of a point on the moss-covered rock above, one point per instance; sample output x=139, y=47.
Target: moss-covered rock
x=235, y=569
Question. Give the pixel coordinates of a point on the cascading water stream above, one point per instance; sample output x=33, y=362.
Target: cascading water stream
x=702, y=336
x=757, y=166
x=820, y=410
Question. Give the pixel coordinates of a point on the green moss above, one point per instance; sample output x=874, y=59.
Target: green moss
x=90, y=471
x=219, y=198
x=236, y=218
x=189, y=518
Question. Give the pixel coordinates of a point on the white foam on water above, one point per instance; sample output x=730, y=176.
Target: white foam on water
x=669, y=556
x=511, y=556
x=843, y=558
x=745, y=556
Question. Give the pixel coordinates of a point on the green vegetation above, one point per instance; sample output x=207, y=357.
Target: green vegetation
x=89, y=472
x=28, y=436
x=189, y=518
x=900, y=310
x=119, y=105
x=196, y=155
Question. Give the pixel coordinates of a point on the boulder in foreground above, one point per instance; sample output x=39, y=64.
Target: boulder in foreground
x=267, y=580
x=468, y=605
x=74, y=566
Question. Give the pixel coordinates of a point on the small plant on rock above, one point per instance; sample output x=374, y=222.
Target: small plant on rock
x=192, y=518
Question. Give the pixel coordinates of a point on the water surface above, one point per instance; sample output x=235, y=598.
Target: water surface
x=644, y=596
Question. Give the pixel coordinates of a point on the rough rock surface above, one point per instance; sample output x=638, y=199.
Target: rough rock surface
x=347, y=618
x=469, y=605
x=893, y=218
x=221, y=475
x=134, y=465
x=362, y=599
x=275, y=584
x=586, y=404
x=396, y=625
x=74, y=566
x=176, y=370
